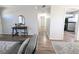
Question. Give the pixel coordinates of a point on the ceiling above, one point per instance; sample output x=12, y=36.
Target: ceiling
x=46, y=8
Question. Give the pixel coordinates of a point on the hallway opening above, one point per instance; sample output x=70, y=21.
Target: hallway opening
x=70, y=27
x=44, y=45
x=42, y=20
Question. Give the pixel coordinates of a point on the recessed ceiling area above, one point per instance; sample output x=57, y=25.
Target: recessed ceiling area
x=71, y=9
x=43, y=8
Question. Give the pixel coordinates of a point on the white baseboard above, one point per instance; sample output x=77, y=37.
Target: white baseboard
x=51, y=38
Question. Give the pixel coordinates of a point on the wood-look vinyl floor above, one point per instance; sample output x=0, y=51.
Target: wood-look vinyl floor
x=69, y=36
x=6, y=37
x=44, y=45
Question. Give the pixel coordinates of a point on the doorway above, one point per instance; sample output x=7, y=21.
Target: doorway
x=42, y=20
x=70, y=27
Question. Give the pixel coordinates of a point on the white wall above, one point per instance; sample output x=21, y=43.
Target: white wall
x=10, y=17
x=57, y=22
x=77, y=29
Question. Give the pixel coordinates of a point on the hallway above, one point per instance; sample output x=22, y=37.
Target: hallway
x=44, y=45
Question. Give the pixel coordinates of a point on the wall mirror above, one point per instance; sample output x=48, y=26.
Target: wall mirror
x=21, y=20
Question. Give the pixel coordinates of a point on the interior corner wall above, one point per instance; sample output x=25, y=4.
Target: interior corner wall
x=10, y=17
x=0, y=26
x=48, y=26
x=57, y=22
